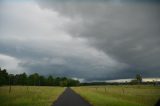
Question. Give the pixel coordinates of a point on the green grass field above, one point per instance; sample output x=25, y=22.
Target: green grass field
x=29, y=96
x=120, y=95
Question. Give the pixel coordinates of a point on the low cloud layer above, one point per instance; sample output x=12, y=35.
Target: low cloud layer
x=87, y=40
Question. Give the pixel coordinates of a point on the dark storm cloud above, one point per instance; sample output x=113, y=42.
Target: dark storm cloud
x=127, y=31
x=91, y=40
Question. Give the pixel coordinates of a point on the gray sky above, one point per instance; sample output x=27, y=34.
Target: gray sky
x=91, y=40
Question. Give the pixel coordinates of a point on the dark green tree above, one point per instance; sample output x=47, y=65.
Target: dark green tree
x=21, y=79
x=42, y=80
x=33, y=79
x=3, y=77
x=57, y=81
x=50, y=81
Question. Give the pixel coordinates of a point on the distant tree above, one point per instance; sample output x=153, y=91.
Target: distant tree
x=133, y=82
x=42, y=80
x=50, y=81
x=33, y=79
x=57, y=81
x=72, y=82
x=11, y=79
x=21, y=79
x=139, y=78
x=69, y=82
x=3, y=77
x=63, y=83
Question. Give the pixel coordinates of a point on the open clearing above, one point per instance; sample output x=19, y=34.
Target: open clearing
x=29, y=96
x=96, y=95
x=120, y=95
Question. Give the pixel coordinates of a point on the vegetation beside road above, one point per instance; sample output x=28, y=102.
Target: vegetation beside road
x=34, y=79
x=128, y=95
x=29, y=95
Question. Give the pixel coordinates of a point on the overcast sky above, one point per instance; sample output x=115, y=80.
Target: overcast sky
x=88, y=39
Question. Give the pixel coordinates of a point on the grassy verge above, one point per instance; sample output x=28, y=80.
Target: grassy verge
x=120, y=95
x=29, y=96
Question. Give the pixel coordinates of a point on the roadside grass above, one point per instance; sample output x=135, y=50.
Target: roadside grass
x=120, y=95
x=29, y=96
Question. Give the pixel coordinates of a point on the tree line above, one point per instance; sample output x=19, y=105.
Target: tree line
x=34, y=80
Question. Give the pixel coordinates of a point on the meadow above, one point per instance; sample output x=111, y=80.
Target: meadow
x=29, y=95
x=127, y=95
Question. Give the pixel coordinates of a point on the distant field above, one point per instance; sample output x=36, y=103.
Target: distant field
x=120, y=95
x=29, y=96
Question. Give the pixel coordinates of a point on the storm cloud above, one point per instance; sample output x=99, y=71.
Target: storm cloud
x=92, y=40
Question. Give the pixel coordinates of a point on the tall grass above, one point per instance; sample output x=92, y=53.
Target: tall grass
x=120, y=95
x=29, y=96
